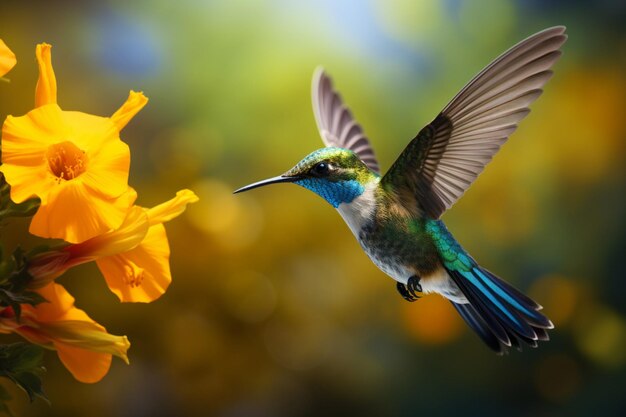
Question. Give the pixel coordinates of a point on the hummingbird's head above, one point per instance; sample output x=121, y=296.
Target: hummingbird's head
x=336, y=174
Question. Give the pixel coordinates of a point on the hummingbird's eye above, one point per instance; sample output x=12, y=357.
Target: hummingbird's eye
x=321, y=169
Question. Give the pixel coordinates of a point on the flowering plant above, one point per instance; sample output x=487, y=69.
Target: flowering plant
x=69, y=171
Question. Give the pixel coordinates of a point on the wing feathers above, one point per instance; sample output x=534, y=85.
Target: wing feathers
x=454, y=149
x=538, y=45
x=336, y=125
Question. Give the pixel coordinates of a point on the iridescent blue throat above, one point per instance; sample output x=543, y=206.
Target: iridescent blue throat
x=333, y=192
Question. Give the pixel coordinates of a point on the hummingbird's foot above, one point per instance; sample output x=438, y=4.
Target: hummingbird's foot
x=414, y=285
x=408, y=291
x=404, y=292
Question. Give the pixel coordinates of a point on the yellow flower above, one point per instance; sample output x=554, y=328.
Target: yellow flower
x=7, y=58
x=74, y=162
x=84, y=346
x=134, y=258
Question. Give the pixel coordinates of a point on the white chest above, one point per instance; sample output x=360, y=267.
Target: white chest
x=360, y=210
x=357, y=214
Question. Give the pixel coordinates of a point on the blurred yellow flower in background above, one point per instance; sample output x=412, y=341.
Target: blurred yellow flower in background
x=134, y=258
x=74, y=162
x=7, y=58
x=84, y=346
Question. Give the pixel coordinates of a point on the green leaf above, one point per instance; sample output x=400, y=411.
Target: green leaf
x=16, y=300
x=26, y=297
x=7, y=266
x=25, y=209
x=29, y=358
x=21, y=278
x=10, y=209
x=14, y=283
x=31, y=383
x=37, y=250
x=22, y=364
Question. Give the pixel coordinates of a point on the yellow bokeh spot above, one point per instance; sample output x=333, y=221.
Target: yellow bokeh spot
x=591, y=148
x=235, y=220
x=601, y=335
x=559, y=296
x=432, y=320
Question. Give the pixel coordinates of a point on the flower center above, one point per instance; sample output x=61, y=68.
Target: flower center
x=133, y=275
x=65, y=160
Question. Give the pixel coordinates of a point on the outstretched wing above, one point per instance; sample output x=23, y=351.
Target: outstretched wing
x=335, y=122
x=446, y=156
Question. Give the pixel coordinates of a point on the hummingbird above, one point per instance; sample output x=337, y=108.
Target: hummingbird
x=396, y=216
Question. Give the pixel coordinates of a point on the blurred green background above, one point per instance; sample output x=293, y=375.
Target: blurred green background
x=274, y=310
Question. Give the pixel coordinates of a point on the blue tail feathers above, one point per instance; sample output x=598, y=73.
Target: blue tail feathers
x=500, y=314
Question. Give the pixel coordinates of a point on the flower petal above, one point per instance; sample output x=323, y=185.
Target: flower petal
x=47, y=266
x=142, y=274
x=25, y=140
x=86, y=366
x=88, y=132
x=129, y=109
x=165, y=212
x=46, y=90
x=59, y=302
x=26, y=183
x=33, y=335
x=107, y=172
x=75, y=213
x=107, y=157
x=60, y=318
x=7, y=58
x=84, y=346
x=86, y=334
x=130, y=234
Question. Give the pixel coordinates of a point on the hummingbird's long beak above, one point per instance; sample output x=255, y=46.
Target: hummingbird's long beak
x=275, y=180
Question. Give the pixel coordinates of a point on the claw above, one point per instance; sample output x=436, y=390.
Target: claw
x=414, y=285
x=407, y=293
